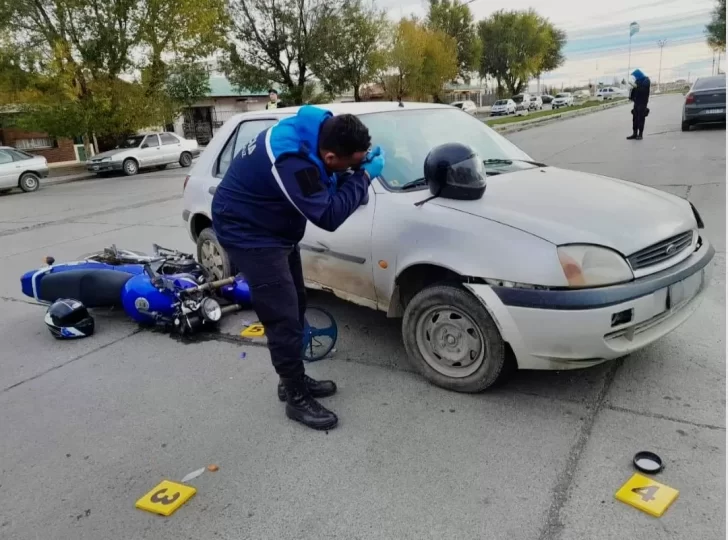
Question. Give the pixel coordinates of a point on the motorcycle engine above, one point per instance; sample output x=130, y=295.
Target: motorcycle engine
x=180, y=266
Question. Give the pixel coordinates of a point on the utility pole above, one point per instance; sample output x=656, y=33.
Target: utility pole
x=661, y=45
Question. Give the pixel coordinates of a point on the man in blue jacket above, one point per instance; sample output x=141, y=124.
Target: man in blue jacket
x=640, y=96
x=281, y=179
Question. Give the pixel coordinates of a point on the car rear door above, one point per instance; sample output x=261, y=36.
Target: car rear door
x=8, y=172
x=171, y=148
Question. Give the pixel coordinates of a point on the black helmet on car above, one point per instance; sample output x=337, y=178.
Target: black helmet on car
x=455, y=171
x=69, y=319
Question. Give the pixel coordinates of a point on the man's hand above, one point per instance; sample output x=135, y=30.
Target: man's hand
x=374, y=162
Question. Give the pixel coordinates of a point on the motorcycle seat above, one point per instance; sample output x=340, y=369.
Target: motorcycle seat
x=92, y=287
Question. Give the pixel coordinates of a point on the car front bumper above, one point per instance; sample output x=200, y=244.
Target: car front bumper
x=570, y=329
x=104, y=166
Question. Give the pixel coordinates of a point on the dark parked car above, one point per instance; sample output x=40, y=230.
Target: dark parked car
x=546, y=98
x=705, y=102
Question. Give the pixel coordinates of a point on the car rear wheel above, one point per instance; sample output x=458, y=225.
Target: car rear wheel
x=685, y=126
x=185, y=160
x=212, y=256
x=29, y=182
x=130, y=167
x=452, y=340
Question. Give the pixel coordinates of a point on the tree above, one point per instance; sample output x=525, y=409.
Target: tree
x=354, y=55
x=187, y=82
x=456, y=20
x=518, y=45
x=715, y=29
x=419, y=62
x=277, y=42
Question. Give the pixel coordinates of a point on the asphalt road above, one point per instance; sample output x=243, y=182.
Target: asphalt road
x=88, y=427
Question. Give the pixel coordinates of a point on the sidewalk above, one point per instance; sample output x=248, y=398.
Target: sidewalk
x=61, y=173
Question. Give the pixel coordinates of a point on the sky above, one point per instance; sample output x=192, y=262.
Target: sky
x=598, y=36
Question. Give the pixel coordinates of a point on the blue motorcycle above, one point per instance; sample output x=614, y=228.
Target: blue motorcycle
x=167, y=289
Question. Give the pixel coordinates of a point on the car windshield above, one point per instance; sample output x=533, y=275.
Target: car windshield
x=458, y=104
x=710, y=82
x=534, y=98
x=132, y=142
x=517, y=99
x=562, y=95
x=501, y=102
x=408, y=136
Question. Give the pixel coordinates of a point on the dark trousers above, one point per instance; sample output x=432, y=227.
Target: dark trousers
x=638, y=118
x=275, y=278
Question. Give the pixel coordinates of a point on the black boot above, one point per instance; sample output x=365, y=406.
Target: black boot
x=639, y=136
x=318, y=389
x=302, y=407
x=632, y=137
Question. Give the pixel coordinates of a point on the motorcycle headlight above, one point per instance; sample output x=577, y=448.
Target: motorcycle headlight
x=210, y=310
x=592, y=266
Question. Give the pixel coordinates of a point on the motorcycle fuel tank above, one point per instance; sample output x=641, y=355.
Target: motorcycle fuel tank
x=142, y=300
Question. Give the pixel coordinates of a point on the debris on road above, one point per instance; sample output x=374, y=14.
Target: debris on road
x=193, y=475
x=213, y=468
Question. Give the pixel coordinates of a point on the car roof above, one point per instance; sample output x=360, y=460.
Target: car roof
x=365, y=107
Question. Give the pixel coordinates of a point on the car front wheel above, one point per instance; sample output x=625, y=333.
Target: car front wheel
x=130, y=167
x=452, y=340
x=212, y=256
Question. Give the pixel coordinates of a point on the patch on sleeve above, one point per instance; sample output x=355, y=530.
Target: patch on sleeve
x=309, y=180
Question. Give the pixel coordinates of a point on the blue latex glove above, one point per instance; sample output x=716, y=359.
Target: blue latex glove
x=374, y=162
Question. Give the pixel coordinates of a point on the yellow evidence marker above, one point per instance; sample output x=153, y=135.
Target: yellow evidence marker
x=647, y=495
x=254, y=330
x=166, y=498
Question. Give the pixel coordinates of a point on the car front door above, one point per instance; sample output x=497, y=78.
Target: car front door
x=8, y=172
x=150, y=152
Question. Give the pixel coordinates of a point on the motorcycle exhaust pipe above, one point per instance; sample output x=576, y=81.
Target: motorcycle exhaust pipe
x=213, y=285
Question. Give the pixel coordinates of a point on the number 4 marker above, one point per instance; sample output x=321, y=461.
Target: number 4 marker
x=647, y=495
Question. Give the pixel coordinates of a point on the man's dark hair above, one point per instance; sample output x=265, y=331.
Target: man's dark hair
x=344, y=135
x=272, y=91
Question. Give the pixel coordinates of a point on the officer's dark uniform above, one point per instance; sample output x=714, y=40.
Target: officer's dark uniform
x=259, y=215
x=640, y=96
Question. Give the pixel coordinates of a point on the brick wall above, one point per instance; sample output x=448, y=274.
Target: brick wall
x=62, y=149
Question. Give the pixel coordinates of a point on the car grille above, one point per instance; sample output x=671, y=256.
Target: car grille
x=657, y=253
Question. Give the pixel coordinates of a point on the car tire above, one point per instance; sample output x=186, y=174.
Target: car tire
x=29, y=182
x=212, y=256
x=451, y=339
x=130, y=167
x=185, y=160
x=685, y=126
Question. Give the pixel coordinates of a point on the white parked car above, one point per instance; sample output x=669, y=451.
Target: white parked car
x=145, y=151
x=19, y=169
x=611, y=92
x=468, y=106
x=538, y=270
x=536, y=103
x=563, y=99
x=503, y=107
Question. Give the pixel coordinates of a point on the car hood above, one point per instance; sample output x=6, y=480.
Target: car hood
x=565, y=207
x=110, y=153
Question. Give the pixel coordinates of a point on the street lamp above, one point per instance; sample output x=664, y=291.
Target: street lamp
x=660, y=44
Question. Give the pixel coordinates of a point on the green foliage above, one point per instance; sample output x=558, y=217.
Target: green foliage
x=187, y=82
x=715, y=29
x=456, y=20
x=519, y=45
x=353, y=54
x=277, y=42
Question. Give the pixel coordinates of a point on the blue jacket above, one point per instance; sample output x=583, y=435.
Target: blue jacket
x=278, y=182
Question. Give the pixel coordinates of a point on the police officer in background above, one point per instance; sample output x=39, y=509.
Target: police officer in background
x=640, y=96
x=289, y=174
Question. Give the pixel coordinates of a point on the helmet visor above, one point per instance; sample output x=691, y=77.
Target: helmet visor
x=467, y=173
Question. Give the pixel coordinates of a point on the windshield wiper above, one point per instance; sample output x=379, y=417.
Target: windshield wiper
x=510, y=162
x=413, y=184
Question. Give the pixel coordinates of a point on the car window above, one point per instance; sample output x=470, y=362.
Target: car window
x=517, y=98
x=168, y=138
x=152, y=141
x=5, y=157
x=709, y=82
x=19, y=155
x=407, y=137
x=245, y=132
x=132, y=142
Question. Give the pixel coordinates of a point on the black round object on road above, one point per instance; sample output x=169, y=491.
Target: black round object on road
x=648, y=462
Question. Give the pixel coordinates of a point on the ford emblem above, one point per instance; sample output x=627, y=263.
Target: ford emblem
x=670, y=249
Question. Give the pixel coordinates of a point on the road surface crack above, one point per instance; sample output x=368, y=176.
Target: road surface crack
x=659, y=416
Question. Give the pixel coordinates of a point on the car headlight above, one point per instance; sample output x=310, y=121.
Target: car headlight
x=106, y=159
x=210, y=310
x=592, y=266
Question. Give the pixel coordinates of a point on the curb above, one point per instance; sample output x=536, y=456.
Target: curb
x=54, y=181
x=528, y=124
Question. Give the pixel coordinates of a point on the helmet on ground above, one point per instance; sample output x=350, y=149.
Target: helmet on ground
x=69, y=319
x=455, y=171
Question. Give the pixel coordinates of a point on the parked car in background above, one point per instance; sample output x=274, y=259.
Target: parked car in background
x=546, y=98
x=705, y=102
x=503, y=107
x=523, y=103
x=145, y=151
x=468, y=106
x=537, y=269
x=20, y=169
x=562, y=99
x=536, y=104
x=611, y=92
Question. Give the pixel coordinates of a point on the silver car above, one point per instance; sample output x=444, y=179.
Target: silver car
x=145, y=151
x=20, y=169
